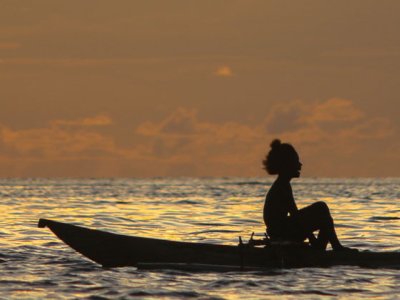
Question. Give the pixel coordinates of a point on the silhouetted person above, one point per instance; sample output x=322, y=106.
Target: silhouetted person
x=281, y=216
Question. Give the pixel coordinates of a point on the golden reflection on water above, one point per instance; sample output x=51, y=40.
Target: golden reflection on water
x=170, y=219
x=137, y=208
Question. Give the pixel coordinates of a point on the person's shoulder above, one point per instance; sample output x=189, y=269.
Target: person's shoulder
x=279, y=183
x=276, y=188
x=281, y=187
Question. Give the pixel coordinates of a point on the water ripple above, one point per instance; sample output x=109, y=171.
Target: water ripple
x=35, y=264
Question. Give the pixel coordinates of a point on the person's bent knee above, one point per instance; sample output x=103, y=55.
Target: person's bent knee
x=322, y=207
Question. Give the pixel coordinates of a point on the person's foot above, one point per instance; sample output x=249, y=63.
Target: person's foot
x=345, y=249
x=318, y=247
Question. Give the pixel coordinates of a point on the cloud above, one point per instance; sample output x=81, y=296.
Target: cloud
x=223, y=71
x=334, y=110
x=182, y=121
x=334, y=138
x=335, y=126
x=182, y=139
x=286, y=117
x=297, y=114
x=99, y=120
x=63, y=139
x=185, y=123
x=374, y=128
x=51, y=143
x=323, y=118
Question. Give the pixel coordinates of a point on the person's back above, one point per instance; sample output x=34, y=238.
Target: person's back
x=276, y=208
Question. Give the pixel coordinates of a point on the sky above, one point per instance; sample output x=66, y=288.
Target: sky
x=198, y=88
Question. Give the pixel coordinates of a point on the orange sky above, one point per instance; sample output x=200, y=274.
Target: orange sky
x=198, y=88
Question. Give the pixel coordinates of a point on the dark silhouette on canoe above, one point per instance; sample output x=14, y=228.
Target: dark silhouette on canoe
x=115, y=250
x=283, y=219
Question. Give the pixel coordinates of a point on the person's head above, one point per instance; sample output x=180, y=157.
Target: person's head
x=282, y=159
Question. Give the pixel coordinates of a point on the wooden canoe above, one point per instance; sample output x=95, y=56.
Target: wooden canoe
x=115, y=250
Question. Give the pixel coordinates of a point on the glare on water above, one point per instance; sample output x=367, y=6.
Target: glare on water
x=35, y=264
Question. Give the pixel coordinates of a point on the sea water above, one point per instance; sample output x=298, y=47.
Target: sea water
x=34, y=264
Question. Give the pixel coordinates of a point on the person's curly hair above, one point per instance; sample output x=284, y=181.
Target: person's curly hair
x=278, y=157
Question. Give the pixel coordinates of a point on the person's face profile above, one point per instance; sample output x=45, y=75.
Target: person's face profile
x=293, y=165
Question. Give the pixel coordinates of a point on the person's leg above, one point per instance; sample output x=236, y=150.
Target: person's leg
x=318, y=217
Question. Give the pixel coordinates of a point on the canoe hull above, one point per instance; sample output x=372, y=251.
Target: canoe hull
x=115, y=250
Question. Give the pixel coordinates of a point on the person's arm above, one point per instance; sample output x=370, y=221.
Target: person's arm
x=293, y=210
x=292, y=207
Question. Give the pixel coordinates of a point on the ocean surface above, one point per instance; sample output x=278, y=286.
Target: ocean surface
x=34, y=264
